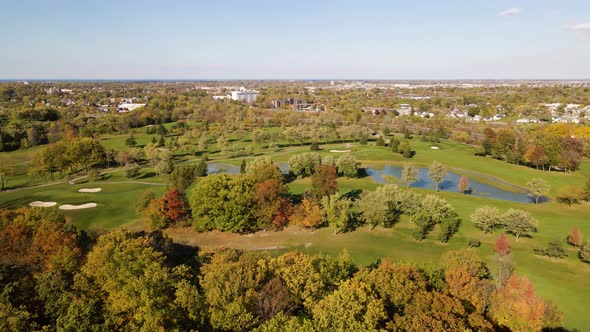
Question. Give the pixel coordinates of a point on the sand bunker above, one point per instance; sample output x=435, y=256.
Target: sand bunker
x=42, y=204
x=89, y=190
x=340, y=151
x=435, y=148
x=77, y=207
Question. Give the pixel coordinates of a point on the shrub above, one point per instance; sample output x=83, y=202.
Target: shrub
x=473, y=243
x=314, y=147
x=554, y=249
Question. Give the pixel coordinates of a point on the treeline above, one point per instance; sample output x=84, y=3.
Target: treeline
x=56, y=277
x=545, y=148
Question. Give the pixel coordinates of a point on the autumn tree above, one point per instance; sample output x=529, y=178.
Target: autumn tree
x=272, y=204
x=502, y=246
x=308, y=214
x=537, y=189
x=487, y=218
x=575, y=237
x=437, y=172
x=519, y=223
x=516, y=306
x=463, y=184
x=570, y=194
x=409, y=174
x=323, y=181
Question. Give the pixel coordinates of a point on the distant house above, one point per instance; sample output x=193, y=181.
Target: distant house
x=128, y=107
x=405, y=109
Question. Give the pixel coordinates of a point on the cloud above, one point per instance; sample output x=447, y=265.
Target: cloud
x=579, y=27
x=510, y=12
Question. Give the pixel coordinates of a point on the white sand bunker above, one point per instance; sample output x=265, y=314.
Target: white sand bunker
x=435, y=148
x=42, y=204
x=340, y=151
x=77, y=207
x=89, y=190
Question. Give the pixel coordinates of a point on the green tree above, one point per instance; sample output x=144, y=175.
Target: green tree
x=337, y=212
x=262, y=168
x=131, y=170
x=487, y=218
x=409, y=174
x=209, y=203
x=519, y=223
x=537, y=189
x=437, y=173
x=380, y=207
x=432, y=211
x=394, y=143
x=584, y=253
x=130, y=141
x=347, y=165
x=5, y=172
x=570, y=194
x=587, y=190
x=380, y=141
x=201, y=167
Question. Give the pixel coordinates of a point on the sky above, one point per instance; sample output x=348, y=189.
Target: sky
x=295, y=39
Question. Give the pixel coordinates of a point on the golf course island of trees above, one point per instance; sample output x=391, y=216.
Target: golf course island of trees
x=194, y=213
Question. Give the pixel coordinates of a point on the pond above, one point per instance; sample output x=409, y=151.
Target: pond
x=450, y=183
x=218, y=168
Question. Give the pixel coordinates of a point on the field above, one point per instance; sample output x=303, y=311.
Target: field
x=566, y=282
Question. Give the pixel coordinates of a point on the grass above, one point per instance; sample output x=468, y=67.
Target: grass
x=566, y=282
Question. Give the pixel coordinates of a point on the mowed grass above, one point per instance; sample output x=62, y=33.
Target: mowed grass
x=116, y=202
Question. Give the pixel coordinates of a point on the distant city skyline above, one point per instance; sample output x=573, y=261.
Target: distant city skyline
x=264, y=39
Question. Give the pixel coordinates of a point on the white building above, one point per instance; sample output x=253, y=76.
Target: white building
x=248, y=96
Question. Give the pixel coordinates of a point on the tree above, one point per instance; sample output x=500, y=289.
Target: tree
x=347, y=165
x=176, y=208
x=272, y=205
x=183, y=177
x=519, y=223
x=164, y=167
x=352, y=307
x=144, y=200
x=314, y=146
x=394, y=142
x=463, y=184
x=201, y=168
x=308, y=214
x=585, y=253
x=537, y=189
x=262, y=168
x=5, y=172
x=380, y=141
x=323, y=181
x=209, y=199
x=304, y=164
x=516, y=306
x=437, y=173
x=486, y=218
x=337, y=212
x=380, y=207
x=409, y=174
x=130, y=141
x=575, y=237
x=405, y=149
x=587, y=190
x=502, y=246
x=243, y=166
x=570, y=194
x=432, y=211
x=131, y=170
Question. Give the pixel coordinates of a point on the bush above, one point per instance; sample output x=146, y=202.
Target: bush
x=94, y=175
x=554, y=249
x=380, y=141
x=584, y=253
x=314, y=147
x=473, y=243
x=131, y=170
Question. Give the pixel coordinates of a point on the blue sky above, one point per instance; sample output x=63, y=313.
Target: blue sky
x=257, y=39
